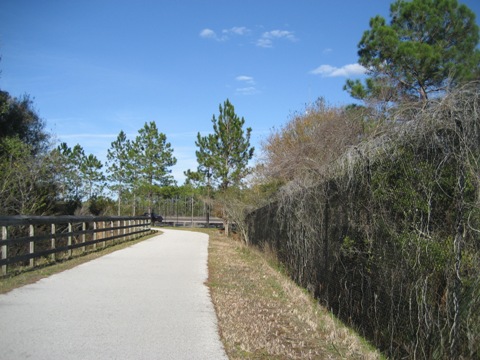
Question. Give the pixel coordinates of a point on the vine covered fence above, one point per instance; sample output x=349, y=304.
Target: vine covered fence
x=389, y=239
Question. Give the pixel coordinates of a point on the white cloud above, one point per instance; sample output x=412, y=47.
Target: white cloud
x=211, y=34
x=250, y=90
x=344, y=71
x=266, y=40
x=208, y=34
x=265, y=43
x=247, y=90
x=246, y=79
x=280, y=34
x=237, y=30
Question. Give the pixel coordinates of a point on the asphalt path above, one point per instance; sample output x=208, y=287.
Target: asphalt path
x=148, y=301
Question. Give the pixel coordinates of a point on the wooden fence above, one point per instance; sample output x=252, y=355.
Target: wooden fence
x=28, y=241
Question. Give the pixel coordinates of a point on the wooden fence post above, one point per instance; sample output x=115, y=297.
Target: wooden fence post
x=52, y=243
x=112, y=232
x=32, y=245
x=4, y=249
x=84, y=228
x=69, y=242
x=94, y=235
x=104, y=234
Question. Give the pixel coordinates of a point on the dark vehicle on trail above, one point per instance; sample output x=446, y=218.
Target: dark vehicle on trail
x=154, y=217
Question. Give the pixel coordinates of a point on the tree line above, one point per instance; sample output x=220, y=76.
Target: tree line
x=38, y=177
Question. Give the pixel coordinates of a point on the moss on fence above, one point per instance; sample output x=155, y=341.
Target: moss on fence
x=389, y=239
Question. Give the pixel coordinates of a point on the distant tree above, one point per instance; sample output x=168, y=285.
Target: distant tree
x=100, y=205
x=27, y=184
x=226, y=152
x=202, y=178
x=205, y=160
x=151, y=157
x=92, y=176
x=18, y=119
x=119, y=168
x=223, y=156
x=80, y=176
x=68, y=172
x=428, y=46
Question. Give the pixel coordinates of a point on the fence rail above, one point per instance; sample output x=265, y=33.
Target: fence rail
x=185, y=221
x=28, y=241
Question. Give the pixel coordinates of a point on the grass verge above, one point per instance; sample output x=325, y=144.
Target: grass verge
x=33, y=275
x=262, y=314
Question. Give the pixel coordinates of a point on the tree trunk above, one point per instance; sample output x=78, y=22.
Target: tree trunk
x=208, y=199
x=119, y=201
x=134, y=205
x=226, y=225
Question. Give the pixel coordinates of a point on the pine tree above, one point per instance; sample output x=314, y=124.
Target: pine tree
x=151, y=156
x=428, y=46
x=92, y=175
x=223, y=155
x=118, y=166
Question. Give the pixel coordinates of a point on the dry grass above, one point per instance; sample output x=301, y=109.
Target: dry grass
x=262, y=314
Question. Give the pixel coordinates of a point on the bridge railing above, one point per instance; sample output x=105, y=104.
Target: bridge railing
x=29, y=241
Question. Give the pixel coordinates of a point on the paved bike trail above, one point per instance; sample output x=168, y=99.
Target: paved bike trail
x=147, y=301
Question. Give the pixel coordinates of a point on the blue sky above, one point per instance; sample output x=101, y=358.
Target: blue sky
x=95, y=67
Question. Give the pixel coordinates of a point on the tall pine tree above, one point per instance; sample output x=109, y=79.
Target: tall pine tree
x=118, y=166
x=152, y=156
x=223, y=155
x=428, y=46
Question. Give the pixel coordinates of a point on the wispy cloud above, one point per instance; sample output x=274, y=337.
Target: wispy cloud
x=225, y=33
x=246, y=90
x=249, y=90
x=267, y=38
x=246, y=79
x=237, y=30
x=344, y=71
